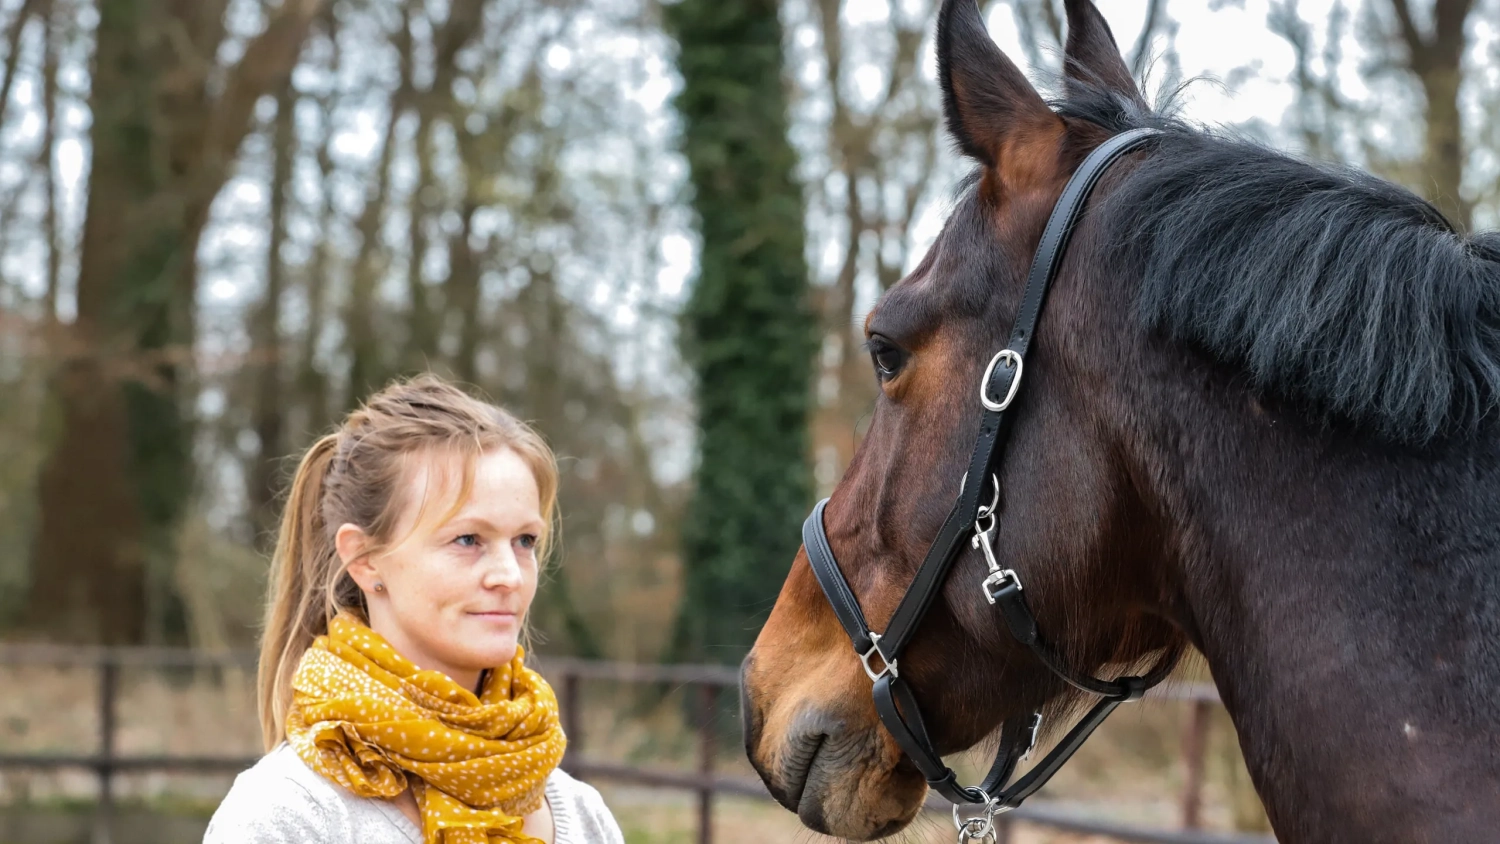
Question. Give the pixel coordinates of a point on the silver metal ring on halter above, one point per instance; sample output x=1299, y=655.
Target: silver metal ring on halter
x=888, y=668
x=984, y=510
x=1014, y=358
x=981, y=826
x=966, y=836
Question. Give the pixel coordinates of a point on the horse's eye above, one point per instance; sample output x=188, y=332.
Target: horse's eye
x=888, y=359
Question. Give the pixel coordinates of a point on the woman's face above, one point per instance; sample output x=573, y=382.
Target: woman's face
x=455, y=591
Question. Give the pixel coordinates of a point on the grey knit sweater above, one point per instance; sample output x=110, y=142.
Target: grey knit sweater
x=282, y=801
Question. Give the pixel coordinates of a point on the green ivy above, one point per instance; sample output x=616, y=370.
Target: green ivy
x=747, y=330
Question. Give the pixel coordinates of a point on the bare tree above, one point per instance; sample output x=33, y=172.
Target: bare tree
x=1420, y=57
x=177, y=411
x=1436, y=58
x=1041, y=26
x=268, y=356
x=24, y=15
x=163, y=139
x=48, y=156
x=882, y=154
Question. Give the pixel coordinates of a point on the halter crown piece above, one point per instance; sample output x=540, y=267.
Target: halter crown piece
x=974, y=520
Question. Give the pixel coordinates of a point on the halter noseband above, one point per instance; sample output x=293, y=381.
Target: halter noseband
x=1001, y=587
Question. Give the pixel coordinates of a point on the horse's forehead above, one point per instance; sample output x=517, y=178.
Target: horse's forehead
x=938, y=288
x=910, y=311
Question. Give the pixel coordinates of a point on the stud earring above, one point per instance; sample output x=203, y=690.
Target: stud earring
x=379, y=587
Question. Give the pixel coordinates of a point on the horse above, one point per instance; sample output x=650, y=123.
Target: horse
x=1257, y=419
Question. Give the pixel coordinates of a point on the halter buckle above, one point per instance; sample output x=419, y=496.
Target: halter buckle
x=996, y=580
x=1012, y=357
x=888, y=667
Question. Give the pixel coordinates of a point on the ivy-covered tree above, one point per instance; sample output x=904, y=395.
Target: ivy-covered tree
x=748, y=328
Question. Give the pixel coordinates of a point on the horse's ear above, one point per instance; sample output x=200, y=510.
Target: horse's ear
x=1092, y=57
x=987, y=101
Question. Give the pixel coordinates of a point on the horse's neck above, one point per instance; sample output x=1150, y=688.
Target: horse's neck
x=1348, y=602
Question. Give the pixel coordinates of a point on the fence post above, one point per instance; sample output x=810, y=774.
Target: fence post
x=109, y=682
x=572, y=721
x=707, y=699
x=1194, y=747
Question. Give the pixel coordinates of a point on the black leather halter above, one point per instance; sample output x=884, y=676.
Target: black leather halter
x=971, y=519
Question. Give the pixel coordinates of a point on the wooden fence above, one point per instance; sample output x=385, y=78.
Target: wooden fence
x=705, y=682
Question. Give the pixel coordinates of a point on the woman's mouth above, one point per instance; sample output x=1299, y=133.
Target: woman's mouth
x=495, y=616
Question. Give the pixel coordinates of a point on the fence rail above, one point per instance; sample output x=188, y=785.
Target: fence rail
x=567, y=675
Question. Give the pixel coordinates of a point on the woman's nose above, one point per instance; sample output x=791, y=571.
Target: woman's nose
x=502, y=570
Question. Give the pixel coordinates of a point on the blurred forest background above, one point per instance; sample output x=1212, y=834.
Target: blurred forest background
x=650, y=228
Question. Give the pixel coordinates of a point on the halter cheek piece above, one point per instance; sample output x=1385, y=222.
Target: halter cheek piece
x=971, y=519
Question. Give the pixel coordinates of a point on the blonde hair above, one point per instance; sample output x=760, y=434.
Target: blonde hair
x=354, y=475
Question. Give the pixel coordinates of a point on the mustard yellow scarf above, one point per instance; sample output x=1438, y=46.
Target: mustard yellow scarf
x=369, y=720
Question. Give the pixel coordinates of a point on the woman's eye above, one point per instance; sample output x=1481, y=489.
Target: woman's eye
x=468, y=540
x=527, y=541
x=888, y=359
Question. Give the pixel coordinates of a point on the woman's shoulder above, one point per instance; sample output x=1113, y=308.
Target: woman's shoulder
x=579, y=813
x=282, y=801
x=284, y=772
x=274, y=801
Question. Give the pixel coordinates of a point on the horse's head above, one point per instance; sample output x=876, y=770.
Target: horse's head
x=1071, y=517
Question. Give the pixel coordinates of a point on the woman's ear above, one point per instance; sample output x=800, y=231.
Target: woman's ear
x=353, y=544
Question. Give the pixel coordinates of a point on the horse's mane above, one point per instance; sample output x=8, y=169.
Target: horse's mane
x=1327, y=286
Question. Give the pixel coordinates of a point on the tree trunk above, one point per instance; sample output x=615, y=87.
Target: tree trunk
x=267, y=348
x=89, y=583
x=464, y=287
x=749, y=331
x=1436, y=58
x=421, y=334
x=312, y=395
x=50, y=46
x=368, y=365
x=464, y=23
x=1443, y=147
x=13, y=49
x=119, y=472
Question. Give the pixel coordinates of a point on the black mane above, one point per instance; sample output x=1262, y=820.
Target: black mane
x=1327, y=286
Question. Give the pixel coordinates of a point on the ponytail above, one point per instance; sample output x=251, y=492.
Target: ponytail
x=297, y=605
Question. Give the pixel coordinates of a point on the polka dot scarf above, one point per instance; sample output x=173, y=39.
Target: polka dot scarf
x=371, y=721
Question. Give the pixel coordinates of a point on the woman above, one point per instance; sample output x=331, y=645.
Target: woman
x=395, y=704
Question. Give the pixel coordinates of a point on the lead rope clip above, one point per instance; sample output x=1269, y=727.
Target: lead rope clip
x=981, y=827
x=997, y=577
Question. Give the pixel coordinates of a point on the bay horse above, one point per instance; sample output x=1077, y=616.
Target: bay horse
x=1258, y=418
